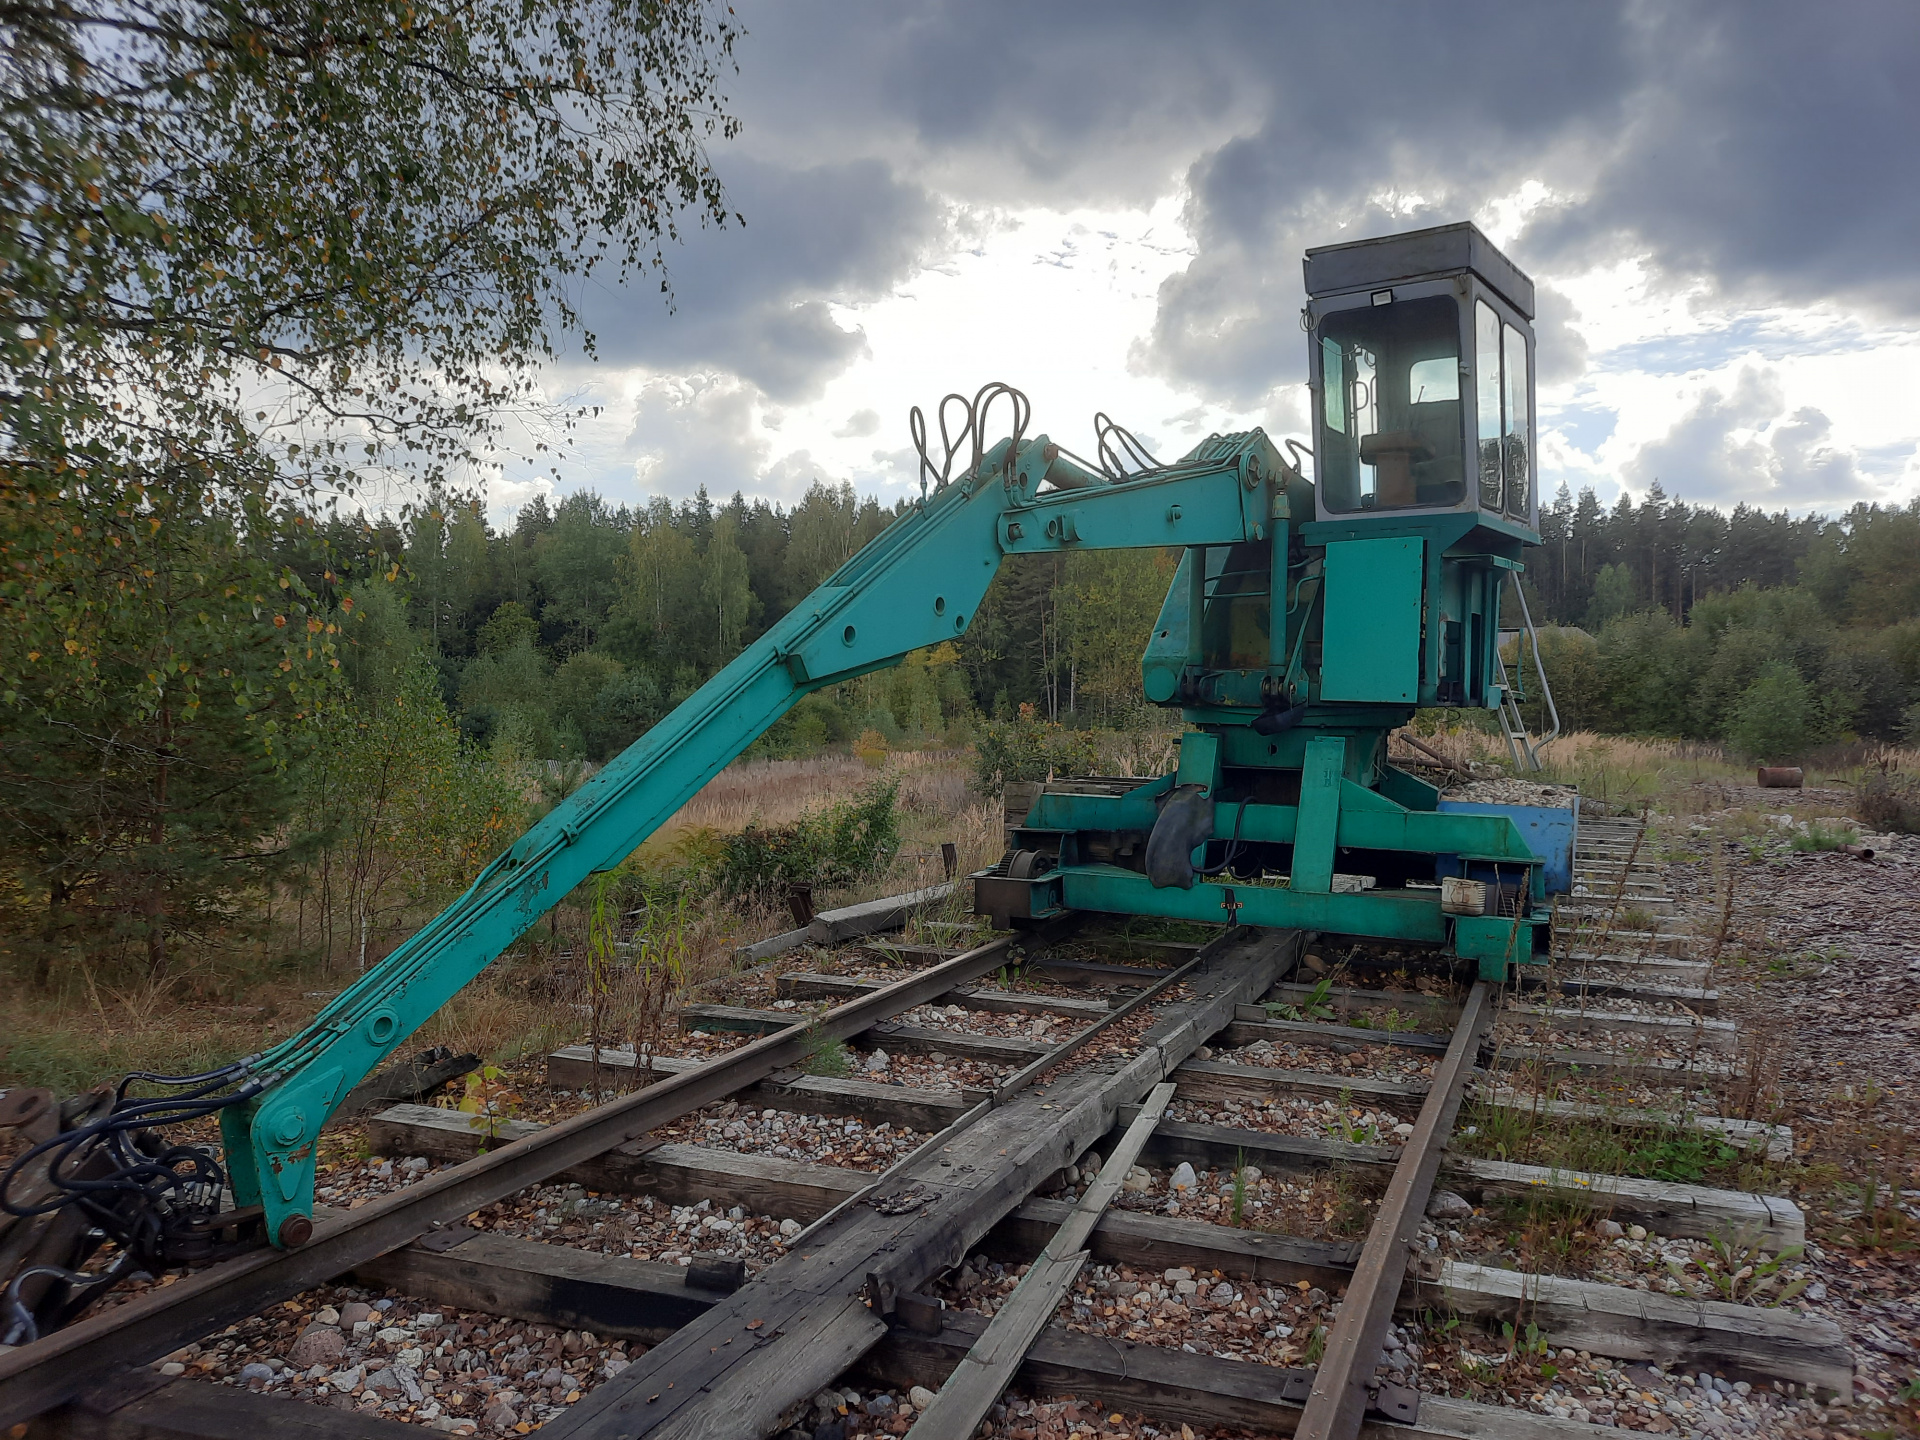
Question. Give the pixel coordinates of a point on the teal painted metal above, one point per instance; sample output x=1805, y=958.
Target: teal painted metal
x=1317, y=830
x=1497, y=942
x=1371, y=637
x=1375, y=592
x=919, y=583
x=1396, y=916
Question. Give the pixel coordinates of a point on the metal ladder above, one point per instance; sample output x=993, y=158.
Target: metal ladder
x=1521, y=746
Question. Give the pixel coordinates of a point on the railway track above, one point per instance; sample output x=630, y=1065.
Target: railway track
x=1260, y=1261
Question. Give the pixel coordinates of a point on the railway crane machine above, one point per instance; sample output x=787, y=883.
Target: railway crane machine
x=1295, y=648
x=1309, y=617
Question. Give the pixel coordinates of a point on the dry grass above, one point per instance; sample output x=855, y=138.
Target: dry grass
x=778, y=792
x=534, y=997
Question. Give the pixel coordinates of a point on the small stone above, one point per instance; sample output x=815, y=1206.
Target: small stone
x=1138, y=1182
x=318, y=1344
x=392, y=1335
x=1445, y=1205
x=827, y=1402
x=1175, y=1276
x=256, y=1374
x=920, y=1397
x=353, y=1312
x=173, y=1367
x=1184, y=1181
x=383, y=1304
x=1609, y=1229
x=500, y=1416
x=1221, y=1294
x=428, y=1321
x=880, y=1405
x=877, y=1060
x=1403, y=1130
x=327, y=1315
x=1205, y=1052
x=1186, y=1287
x=1636, y=1232
x=789, y=1228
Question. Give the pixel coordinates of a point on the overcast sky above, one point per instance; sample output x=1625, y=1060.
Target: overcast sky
x=1106, y=205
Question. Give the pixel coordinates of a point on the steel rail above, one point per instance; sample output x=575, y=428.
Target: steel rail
x=1018, y=1081
x=1339, y=1399
x=34, y=1378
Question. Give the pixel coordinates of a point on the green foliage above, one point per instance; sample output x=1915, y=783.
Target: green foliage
x=1317, y=1004
x=158, y=660
x=509, y=629
x=826, y=1057
x=1529, y=1343
x=410, y=812
x=1771, y=721
x=1820, y=836
x=1028, y=748
x=841, y=844
x=1614, y=594
x=1742, y=1272
x=254, y=256
x=489, y=1103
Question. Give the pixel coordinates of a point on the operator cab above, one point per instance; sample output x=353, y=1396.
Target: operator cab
x=1422, y=377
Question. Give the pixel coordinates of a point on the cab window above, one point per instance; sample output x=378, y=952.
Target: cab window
x=1391, y=431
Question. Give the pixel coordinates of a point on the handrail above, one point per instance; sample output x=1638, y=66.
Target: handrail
x=1546, y=688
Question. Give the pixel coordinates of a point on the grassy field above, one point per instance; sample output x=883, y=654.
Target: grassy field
x=235, y=999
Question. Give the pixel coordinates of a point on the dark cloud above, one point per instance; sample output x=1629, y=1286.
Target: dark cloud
x=1761, y=149
x=1781, y=459
x=1768, y=149
x=754, y=298
x=1562, y=348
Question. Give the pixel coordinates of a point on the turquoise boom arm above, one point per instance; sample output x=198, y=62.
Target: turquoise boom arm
x=916, y=584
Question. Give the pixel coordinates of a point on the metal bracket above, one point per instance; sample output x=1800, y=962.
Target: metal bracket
x=922, y=1314
x=446, y=1237
x=1395, y=1402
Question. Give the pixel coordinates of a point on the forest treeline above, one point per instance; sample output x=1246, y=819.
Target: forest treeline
x=1772, y=633
x=565, y=635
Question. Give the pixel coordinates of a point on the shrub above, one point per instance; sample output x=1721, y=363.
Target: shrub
x=1888, y=803
x=1771, y=722
x=1028, y=748
x=842, y=844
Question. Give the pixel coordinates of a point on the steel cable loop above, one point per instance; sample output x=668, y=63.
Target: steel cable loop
x=1117, y=445
x=950, y=443
x=1121, y=454
x=983, y=402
